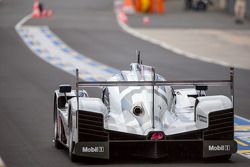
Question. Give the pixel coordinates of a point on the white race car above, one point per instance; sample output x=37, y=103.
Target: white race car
x=142, y=114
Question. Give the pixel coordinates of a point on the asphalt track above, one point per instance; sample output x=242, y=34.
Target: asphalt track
x=27, y=83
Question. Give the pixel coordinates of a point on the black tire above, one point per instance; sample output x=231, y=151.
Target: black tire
x=57, y=143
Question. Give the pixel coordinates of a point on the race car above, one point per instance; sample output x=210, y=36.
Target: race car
x=140, y=113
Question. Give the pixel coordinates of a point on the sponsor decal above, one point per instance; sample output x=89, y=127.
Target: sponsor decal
x=213, y=148
x=219, y=147
x=92, y=149
x=202, y=118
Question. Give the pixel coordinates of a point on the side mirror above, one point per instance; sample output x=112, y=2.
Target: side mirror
x=201, y=87
x=65, y=88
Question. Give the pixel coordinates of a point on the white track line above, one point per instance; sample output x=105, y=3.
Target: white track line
x=241, y=118
x=46, y=45
x=164, y=45
x=22, y=21
x=49, y=47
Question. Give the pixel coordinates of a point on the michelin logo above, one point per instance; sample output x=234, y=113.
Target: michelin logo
x=219, y=147
x=92, y=149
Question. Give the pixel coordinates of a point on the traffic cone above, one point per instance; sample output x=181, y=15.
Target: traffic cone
x=123, y=17
x=146, y=20
x=128, y=6
x=49, y=12
x=44, y=13
x=36, y=11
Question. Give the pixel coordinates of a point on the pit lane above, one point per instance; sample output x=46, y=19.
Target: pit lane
x=28, y=82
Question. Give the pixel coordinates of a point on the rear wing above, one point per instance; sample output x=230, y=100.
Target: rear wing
x=229, y=82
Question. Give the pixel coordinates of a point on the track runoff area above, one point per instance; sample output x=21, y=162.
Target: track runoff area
x=50, y=48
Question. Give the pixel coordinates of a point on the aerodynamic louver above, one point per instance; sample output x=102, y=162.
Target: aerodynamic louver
x=221, y=125
x=90, y=127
